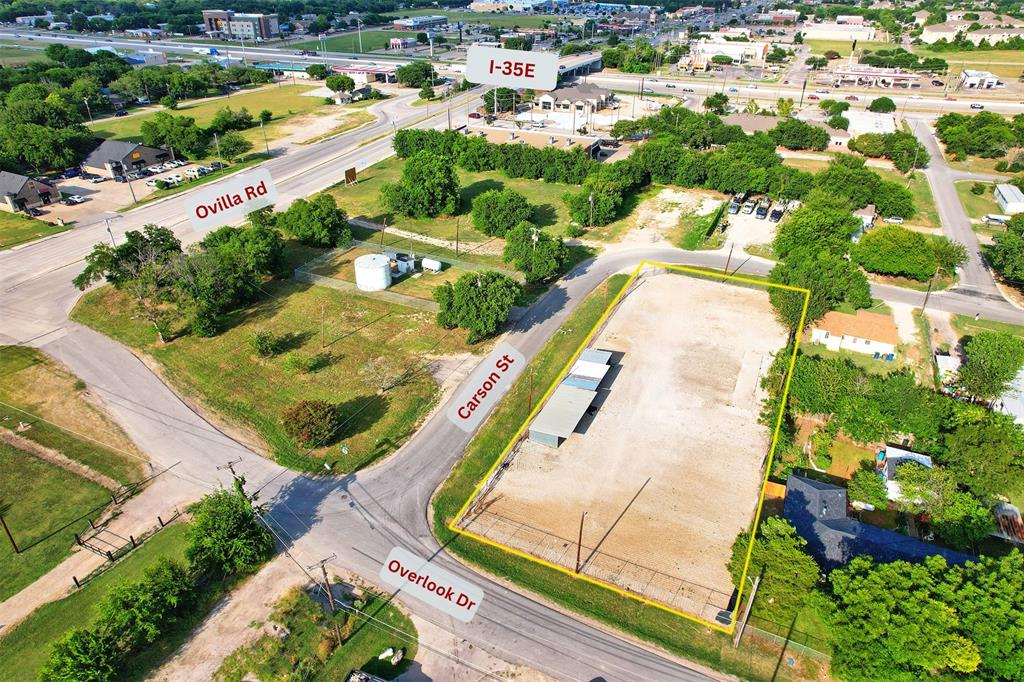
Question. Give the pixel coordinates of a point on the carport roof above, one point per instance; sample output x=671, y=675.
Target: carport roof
x=563, y=411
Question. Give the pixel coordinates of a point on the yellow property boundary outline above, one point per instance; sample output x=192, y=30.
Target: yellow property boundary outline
x=453, y=525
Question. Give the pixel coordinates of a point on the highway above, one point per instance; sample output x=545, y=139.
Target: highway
x=359, y=516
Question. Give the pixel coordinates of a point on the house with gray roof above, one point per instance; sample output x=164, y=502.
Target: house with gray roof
x=584, y=98
x=18, y=192
x=818, y=512
x=114, y=158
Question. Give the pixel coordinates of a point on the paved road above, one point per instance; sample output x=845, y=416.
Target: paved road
x=362, y=516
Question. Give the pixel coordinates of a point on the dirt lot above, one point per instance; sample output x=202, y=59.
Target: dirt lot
x=668, y=469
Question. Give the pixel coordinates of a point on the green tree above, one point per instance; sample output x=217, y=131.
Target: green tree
x=963, y=521
x=339, y=82
x=120, y=263
x=722, y=59
x=788, y=573
x=895, y=250
x=868, y=487
x=497, y=211
x=716, y=103
x=179, y=132
x=882, y=105
x=815, y=62
x=81, y=655
x=784, y=106
x=478, y=302
x=893, y=624
x=794, y=134
x=986, y=456
x=427, y=92
x=831, y=279
x=924, y=490
x=988, y=595
x=317, y=71
x=1007, y=251
x=429, y=187
x=232, y=145
x=993, y=360
x=316, y=222
x=226, y=537
x=892, y=199
x=499, y=100
x=415, y=74
x=534, y=252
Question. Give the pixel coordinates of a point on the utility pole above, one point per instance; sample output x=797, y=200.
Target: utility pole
x=216, y=141
x=9, y=536
x=330, y=595
x=928, y=293
x=87, y=109
x=265, y=143
x=109, y=231
x=457, y=236
x=322, y=344
x=728, y=259
x=579, y=542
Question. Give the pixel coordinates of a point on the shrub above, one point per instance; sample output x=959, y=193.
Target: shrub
x=574, y=231
x=263, y=343
x=169, y=102
x=312, y=422
x=1002, y=166
x=295, y=363
x=497, y=211
x=978, y=188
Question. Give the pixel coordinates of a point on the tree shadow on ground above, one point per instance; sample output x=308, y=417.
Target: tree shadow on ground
x=544, y=215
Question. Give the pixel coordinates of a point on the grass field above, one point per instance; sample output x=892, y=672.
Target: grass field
x=362, y=200
x=418, y=285
x=364, y=338
x=34, y=387
x=865, y=362
x=17, y=56
x=976, y=206
x=976, y=164
x=820, y=47
x=26, y=647
x=502, y=20
x=309, y=627
x=755, y=660
x=847, y=458
x=38, y=501
x=927, y=215
x=349, y=42
x=18, y=228
x=965, y=325
x=285, y=101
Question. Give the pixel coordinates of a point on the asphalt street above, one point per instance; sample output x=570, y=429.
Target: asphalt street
x=362, y=516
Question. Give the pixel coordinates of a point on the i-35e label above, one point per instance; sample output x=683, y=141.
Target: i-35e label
x=485, y=387
x=431, y=584
x=512, y=68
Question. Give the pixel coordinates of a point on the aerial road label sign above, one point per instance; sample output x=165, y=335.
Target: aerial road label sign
x=431, y=584
x=485, y=386
x=512, y=68
x=230, y=200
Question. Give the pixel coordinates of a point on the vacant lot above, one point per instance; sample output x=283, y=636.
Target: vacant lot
x=366, y=340
x=285, y=102
x=362, y=200
x=820, y=47
x=19, y=56
x=17, y=228
x=976, y=206
x=371, y=41
x=664, y=493
x=420, y=284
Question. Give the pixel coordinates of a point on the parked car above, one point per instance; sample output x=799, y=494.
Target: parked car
x=748, y=206
x=851, y=98
x=150, y=183
x=734, y=207
x=893, y=220
x=154, y=169
x=178, y=163
x=71, y=173
x=34, y=212
x=73, y=200
x=97, y=179
x=120, y=112
x=997, y=219
x=762, y=208
x=192, y=172
x=217, y=165
x=938, y=83
x=475, y=114
x=975, y=105
x=133, y=176
x=776, y=215
x=177, y=177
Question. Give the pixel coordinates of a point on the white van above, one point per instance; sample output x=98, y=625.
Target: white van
x=996, y=219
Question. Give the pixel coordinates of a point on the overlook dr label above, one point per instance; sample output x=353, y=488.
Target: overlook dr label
x=230, y=200
x=485, y=387
x=431, y=584
x=512, y=68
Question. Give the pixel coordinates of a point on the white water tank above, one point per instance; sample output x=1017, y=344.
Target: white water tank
x=373, y=272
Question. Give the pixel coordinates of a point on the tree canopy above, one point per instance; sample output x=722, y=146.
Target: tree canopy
x=429, y=187
x=478, y=302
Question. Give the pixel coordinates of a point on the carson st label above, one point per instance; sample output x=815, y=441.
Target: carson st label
x=485, y=386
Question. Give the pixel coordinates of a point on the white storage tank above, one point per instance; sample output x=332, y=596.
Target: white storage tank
x=373, y=272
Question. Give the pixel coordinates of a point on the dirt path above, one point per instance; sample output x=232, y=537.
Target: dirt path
x=137, y=516
x=235, y=622
x=943, y=333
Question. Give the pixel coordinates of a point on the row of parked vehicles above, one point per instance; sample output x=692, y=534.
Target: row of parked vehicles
x=763, y=208
x=191, y=174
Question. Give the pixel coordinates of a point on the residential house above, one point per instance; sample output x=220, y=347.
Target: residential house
x=115, y=158
x=1010, y=198
x=818, y=511
x=948, y=366
x=863, y=332
x=18, y=192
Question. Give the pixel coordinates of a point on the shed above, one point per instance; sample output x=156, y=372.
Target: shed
x=1010, y=199
x=596, y=355
x=560, y=416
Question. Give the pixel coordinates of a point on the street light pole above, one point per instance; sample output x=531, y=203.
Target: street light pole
x=265, y=143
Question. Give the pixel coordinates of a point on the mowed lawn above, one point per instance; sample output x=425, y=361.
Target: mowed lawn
x=924, y=201
x=26, y=647
x=38, y=501
x=976, y=206
x=362, y=200
x=42, y=393
x=284, y=101
x=254, y=393
x=18, y=56
x=349, y=42
x=418, y=285
x=18, y=228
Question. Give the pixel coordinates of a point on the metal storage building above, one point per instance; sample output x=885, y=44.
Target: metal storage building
x=560, y=416
x=595, y=355
x=586, y=374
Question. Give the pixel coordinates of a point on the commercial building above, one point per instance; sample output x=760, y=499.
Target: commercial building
x=850, y=19
x=144, y=32
x=874, y=76
x=541, y=140
x=31, y=19
x=979, y=80
x=703, y=51
x=1009, y=198
x=830, y=30
x=148, y=58
x=818, y=513
x=401, y=43
x=585, y=98
x=364, y=73
x=419, y=23
x=864, y=332
x=228, y=24
x=869, y=122
x=511, y=6
x=114, y=158
x=18, y=192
